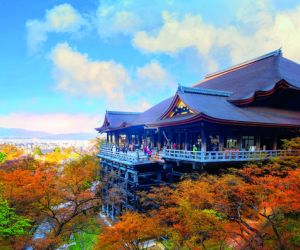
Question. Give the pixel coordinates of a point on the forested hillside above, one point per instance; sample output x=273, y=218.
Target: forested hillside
x=54, y=200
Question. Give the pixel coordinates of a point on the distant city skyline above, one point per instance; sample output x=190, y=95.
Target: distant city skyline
x=63, y=63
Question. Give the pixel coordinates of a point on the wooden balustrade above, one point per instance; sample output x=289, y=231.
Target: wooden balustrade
x=106, y=151
x=223, y=156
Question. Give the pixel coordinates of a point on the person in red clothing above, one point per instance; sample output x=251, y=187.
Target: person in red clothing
x=149, y=152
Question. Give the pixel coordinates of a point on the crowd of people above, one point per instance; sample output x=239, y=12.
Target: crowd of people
x=146, y=149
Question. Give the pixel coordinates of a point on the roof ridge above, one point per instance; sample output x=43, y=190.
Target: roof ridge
x=122, y=112
x=204, y=91
x=277, y=67
x=277, y=52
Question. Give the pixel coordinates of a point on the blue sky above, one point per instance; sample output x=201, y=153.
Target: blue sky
x=63, y=63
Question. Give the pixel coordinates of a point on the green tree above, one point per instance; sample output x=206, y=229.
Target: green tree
x=3, y=157
x=37, y=151
x=57, y=150
x=11, y=224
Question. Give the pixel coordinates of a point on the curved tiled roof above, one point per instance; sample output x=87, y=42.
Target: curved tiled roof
x=216, y=108
x=213, y=99
x=117, y=119
x=153, y=113
x=261, y=74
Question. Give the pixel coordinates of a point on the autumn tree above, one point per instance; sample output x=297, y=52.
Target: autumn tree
x=257, y=207
x=242, y=209
x=64, y=198
x=94, y=144
x=278, y=199
x=292, y=144
x=11, y=151
x=132, y=232
x=78, y=195
x=23, y=183
x=187, y=216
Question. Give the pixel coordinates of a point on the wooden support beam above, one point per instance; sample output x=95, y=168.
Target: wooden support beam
x=159, y=177
x=221, y=142
x=117, y=138
x=186, y=140
x=159, y=142
x=203, y=139
x=274, y=146
x=257, y=142
x=239, y=141
x=179, y=141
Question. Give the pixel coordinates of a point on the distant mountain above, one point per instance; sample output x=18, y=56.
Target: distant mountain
x=18, y=133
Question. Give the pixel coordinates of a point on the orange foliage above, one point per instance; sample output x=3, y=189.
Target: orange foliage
x=64, y=197
x=130, y=232
x=11, y=151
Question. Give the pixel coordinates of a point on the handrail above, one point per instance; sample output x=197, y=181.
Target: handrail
x=221, y=156
x=106, y=150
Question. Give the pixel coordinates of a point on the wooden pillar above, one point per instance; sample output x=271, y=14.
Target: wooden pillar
x=239, y=141
x=257, y=142
x=221, y=142
x=274, y=146
x=127, y=139
x=107, y=209
x=117, y=139
x=144, y=136
x=152, y=142
x=107, y=137
x=159, y=177
x=113, y=211
x=179, y=140
x=171, y=137
x=135, y=177
x=203, y=139
x=159, y=140
x=185, y=140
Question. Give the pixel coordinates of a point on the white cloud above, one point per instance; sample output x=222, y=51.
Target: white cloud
x=59, y=19
x=76, y=74
x=154, y=76
x=176, y=35
x=52, y=123
x=266, y=32
x=112, y=22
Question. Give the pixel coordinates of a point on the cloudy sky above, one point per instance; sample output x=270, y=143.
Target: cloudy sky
x=63, y=63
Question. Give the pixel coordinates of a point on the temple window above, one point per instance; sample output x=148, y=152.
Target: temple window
x=248, y=142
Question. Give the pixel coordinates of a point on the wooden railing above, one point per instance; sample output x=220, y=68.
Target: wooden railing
x=107, y=151
x=223, y=156
x=129, y=157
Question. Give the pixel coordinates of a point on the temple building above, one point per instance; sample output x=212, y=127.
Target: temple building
x=238, y=114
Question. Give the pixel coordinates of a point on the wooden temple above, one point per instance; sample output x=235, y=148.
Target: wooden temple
x=235, y=115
